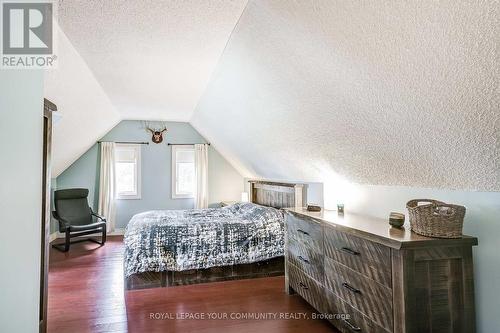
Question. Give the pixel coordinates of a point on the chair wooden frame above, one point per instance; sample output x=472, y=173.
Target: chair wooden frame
x=68, y=233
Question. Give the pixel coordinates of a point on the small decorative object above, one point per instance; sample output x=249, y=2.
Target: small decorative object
x=396, y=219
x=396, y=232
x=340, y=208
x=244, y=197
x=313, y=208
x=157, y=133
x=434, y=218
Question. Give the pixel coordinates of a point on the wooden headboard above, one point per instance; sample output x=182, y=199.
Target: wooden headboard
x=277, y=194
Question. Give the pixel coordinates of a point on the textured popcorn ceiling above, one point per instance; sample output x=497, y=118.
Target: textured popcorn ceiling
x=377, y=92
x=152, y=58
x=374, y=92
x=85, y=111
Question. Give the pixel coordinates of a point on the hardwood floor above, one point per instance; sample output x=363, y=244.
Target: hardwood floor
x=86, y=294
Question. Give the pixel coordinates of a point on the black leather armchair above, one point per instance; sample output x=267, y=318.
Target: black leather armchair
x=76, y=218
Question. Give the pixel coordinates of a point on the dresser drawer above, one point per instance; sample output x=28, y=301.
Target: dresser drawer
x=369, y=297
x=306, y=287
x=306, y=259
x=305, y=231
x=368, y=258
x=347, y=319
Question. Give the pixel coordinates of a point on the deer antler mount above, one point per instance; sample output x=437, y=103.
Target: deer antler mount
x=157, y=132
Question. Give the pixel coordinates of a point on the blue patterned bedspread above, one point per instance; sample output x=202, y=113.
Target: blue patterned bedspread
x=178, y=240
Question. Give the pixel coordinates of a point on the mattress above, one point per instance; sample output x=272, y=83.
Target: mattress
x=178, y=240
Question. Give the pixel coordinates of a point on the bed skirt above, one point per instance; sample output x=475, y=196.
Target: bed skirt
x=266, y=268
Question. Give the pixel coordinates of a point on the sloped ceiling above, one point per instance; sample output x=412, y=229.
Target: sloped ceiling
x=85, y=111
x=375, y=92
x=152, y=58
x=372, y=92
x=131, y=60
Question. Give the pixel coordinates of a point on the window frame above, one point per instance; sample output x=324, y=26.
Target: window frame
x=138, y=173
x=176, y=148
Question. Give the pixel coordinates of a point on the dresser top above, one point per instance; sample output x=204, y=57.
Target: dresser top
x=378, y=230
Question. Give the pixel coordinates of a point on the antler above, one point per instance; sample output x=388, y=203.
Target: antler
x=152, y=129
x=147, y=127
x=163, y=129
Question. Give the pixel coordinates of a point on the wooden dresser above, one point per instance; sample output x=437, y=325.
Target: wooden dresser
x=365, y=276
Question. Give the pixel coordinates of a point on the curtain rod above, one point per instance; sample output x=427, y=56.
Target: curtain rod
x=188, y=144
x=147, y=143
x=127, y=142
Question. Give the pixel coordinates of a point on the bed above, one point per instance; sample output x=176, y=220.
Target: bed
x=245, y=240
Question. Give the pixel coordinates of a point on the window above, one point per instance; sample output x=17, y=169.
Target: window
x=128, y=171
x=183, y=172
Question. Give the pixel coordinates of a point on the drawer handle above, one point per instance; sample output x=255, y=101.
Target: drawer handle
x=351, y=288
x=351, y=252
x=303, y=259
x=352, y=327
x=303, y=232
x=303, y=286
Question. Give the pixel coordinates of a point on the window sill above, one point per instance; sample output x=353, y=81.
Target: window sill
x=135, y=197
x=182, y=197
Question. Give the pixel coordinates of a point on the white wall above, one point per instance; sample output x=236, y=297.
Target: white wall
x=21, y=130
x=224, y=181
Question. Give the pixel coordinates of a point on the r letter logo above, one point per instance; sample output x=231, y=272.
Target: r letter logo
x=27, y=29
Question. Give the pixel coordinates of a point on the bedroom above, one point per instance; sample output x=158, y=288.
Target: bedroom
x=201, y=130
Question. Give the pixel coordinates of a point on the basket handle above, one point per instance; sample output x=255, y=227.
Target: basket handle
x=450, y=211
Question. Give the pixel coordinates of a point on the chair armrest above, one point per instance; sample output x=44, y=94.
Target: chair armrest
x=98, y=217
x=61, y=220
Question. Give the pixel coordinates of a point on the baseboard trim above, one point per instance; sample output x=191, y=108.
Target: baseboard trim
x=55, y=235
x=117, y=232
